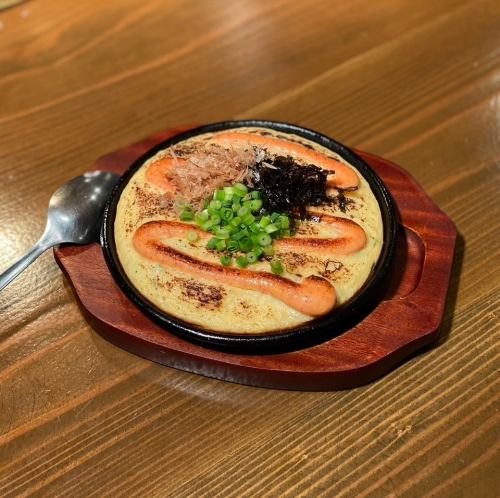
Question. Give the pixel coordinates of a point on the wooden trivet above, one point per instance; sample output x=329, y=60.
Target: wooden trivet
x=407, y=318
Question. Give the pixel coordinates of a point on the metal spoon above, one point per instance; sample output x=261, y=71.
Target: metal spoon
x=75, y=212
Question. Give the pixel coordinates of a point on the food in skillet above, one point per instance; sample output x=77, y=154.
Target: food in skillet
x=247, y=230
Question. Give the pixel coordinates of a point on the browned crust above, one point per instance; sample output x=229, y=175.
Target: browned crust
x=217, y=268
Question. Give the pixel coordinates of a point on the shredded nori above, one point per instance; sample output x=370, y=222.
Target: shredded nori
x=341, y=201
x=287, y=186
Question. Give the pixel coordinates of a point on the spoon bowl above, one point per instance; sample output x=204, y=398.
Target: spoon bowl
x=74, y=216
x=75, y=209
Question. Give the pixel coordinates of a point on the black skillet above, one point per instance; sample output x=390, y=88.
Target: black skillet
x=306, y=335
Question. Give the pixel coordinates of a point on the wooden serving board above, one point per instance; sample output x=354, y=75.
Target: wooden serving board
x=407, y=318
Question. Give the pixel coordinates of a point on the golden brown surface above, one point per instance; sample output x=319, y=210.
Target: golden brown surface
x=146, y=230
x=417, y=82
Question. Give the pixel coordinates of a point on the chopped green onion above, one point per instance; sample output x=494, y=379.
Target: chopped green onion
x=220, y=245
x=251, y=257
x=246, y=244
x=243, y=211
x=234, y=217
x=264, y=221
x=268, y=250
x=272, y=228
x=265, y=240
x=242, y=261
x=222, y=233
x=226, y=214
x=232, y=245
x=239, y=235
x=215, y=219
x=258, y=251
x=201, y=217
x=187, y=215
x=207, y=225
x=236, y=221
x=284, y=222
x=255, y=205
x=277, y=267
x=254, y=228
x=248, y=219
x=215, y=205
x=212, y=243
x=240, y=189
x=256, y=237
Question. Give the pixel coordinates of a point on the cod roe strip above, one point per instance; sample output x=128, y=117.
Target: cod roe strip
x=314, y=296
x=157, y=173
x=352, y=237
x=348, y=239
x=343, y=176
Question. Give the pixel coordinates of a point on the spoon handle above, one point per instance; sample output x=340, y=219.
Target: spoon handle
x=21, y=264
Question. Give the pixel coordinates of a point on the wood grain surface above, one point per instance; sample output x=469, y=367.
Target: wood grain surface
x=416, y=82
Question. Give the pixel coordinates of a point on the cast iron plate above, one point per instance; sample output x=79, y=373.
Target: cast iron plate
x=306, y=335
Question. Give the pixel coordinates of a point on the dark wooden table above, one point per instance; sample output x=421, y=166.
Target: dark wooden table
x=416, y=82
